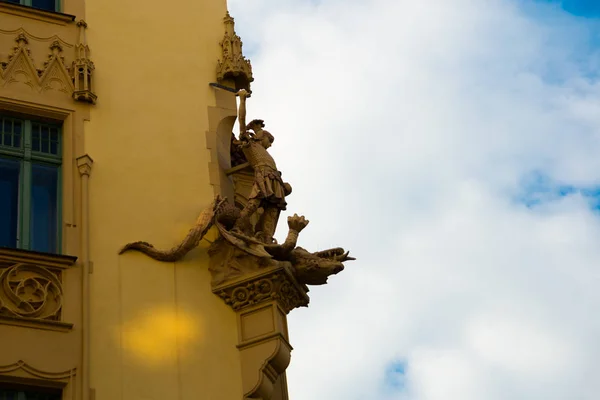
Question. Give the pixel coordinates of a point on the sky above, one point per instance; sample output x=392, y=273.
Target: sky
x=454, y=148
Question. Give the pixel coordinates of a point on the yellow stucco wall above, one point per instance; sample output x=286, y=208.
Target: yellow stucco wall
x=157, y=330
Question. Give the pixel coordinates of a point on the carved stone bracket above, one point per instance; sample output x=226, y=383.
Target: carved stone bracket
x=233, y=65
x=84, y=164
x=274, y=283
x=262, y=300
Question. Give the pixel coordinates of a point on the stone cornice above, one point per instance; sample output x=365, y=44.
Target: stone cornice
x=46, y=260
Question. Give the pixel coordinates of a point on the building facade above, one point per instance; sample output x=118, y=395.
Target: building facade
x=116, y=125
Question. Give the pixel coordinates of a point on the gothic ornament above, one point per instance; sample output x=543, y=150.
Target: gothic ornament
x=20, y=66
x=233, y=65
x=82, y=69
x=30, y=291
x=54, y=76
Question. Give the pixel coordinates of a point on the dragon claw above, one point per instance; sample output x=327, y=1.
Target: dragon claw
x=297, y=223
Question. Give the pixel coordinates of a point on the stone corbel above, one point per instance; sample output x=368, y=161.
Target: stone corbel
x=262, y=300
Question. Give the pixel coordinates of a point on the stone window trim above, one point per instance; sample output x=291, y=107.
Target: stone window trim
x=23, y=374
x=36, y=13
x=72, y=143
x=27, y=149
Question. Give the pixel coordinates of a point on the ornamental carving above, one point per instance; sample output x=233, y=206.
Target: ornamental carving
x=65, y=376
x=233, y=65
x=277, y=284
x=55, y=74
x=30, y=291
x=82, y=69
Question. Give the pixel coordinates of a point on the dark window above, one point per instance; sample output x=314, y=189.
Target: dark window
x=22, y=392
x=48, y=5
x=9, y=201
x=44, y=207
x=30, y=171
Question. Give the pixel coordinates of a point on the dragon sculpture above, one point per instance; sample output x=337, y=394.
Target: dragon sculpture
x=244, y=246
x=309, y=268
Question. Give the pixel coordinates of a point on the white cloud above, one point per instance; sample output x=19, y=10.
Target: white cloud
x=406, y=129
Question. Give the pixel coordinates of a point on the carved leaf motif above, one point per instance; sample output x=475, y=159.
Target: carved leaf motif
x=30, y=291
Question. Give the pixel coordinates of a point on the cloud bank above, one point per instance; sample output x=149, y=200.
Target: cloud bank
x=453, y=147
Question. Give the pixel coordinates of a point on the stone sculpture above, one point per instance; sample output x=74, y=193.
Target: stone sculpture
x=242, y=247
x=235, y=254
x=269, y=190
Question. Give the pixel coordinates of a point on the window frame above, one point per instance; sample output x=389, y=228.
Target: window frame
x=27, y=158
x=28, y=3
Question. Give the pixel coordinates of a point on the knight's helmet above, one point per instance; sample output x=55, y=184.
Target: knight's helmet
x=257, y=126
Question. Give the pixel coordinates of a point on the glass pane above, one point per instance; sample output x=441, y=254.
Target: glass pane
x=10, y=133
x=45, y=139
x=54, y=140
x=35, y=137
x=9, y=201
x=16, y=2
x=44, y=208
x=49, y=5
x=17, y=134
x=6, y=133
x=54, y=134
x=6, y=139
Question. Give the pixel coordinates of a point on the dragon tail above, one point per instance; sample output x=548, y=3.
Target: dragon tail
x=203, y=224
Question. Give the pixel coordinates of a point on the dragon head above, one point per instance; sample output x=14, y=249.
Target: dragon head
x=315, y=268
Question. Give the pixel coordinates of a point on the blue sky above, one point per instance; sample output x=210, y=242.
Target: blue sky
x=582, y=8
x=537, y=187
x=453, y=148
